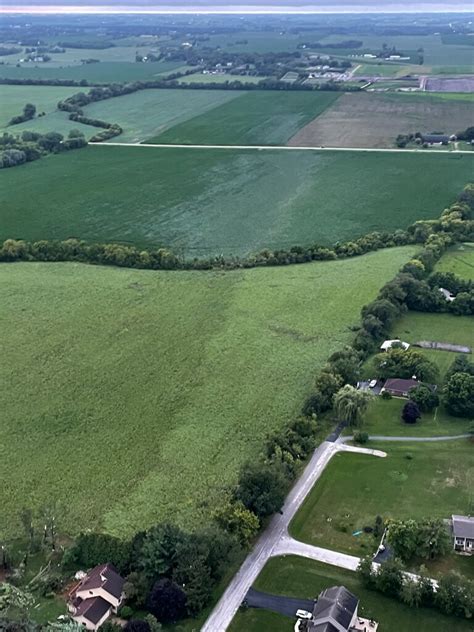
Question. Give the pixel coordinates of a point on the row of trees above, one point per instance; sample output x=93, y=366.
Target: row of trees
x=29, y=146
x=29, y=112
x=453, y=596
x=427, y=538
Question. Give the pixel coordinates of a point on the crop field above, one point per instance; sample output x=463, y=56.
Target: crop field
x=198, y=77
x=255, y=118
x=224, y=200
x=104, y=72
x=149, y=112
x=459, y=260
x=293, y=576
x=435, y=479
x=189, y=370
x=375, y=120
x=14, y=98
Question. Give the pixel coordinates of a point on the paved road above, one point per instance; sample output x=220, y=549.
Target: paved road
x=410, y=439
x=230, y=601
x=289, y=546
x=285, y=147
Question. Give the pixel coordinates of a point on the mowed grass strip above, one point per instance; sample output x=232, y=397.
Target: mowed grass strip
x=256, y=118
x=459, y=260
x=293, y=576
x=210, y=201
x=152, y=111
x=134, y=396
x=414, y=480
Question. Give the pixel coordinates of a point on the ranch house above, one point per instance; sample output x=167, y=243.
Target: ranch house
x=96, y=596
x=463, y=533
x=401, y=388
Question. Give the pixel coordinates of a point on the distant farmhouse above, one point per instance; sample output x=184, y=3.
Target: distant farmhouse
x=437, y=139
x=98, y=594
x=396, y=344
x=336, y=611
x=463, y=533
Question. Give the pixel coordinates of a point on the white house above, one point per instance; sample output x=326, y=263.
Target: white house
x=388, y=344
x=463, y=533
x=96, y=596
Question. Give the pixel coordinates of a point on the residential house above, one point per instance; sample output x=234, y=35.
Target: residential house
x=463, y=533
x=96, y=597
x=399, y=387
x=336, y=611
x=388, y=344
x=435, y=139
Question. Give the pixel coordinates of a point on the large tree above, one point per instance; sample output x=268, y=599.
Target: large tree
x=411, y=413
x=404, y=364
x=424, y=397
x=459, y=395
x=167, y=601
x=261, y=489
x=350, y=404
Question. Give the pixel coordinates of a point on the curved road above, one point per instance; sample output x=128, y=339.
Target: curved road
x=275, y=540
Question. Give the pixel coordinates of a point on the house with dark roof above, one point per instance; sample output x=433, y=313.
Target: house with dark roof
x=435, y=139
x=96, y=596
x=336, y=611
x=463, y=533
x=399, y=387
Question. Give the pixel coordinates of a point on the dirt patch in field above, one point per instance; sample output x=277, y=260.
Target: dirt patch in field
x=375, y=120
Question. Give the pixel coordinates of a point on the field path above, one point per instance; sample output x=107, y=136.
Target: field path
x=276, y=532
x=282, y=147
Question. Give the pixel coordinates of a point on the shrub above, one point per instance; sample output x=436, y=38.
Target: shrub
x=361, y=437
x=386, y=395
x=411, y=413
x=125, y=612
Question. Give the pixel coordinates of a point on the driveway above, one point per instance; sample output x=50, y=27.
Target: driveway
x=277, y=603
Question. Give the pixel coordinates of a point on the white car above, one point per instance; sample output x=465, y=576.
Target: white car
x=303, y=614
x=372, y=383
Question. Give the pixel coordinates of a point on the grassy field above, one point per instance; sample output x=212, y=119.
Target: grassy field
x=256, y=118
x=103, y=72
x=149, y=112
x=298, y=577
x=375, y=120
x=459, y=260
x=436, y=480
x=224, y=201
x=198, y=77
x=14, y=98
x=175, y=377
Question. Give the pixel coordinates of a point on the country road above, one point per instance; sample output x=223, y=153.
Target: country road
x=283, y=147
x=411, y=439
x=225, y=610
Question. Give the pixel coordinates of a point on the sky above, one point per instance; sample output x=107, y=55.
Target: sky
x=232, y=6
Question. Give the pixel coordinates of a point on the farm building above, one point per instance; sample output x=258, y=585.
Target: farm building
x=398, y=344
x=98, y=594
x=435, y=139
x=336, y=609
x=463, y=533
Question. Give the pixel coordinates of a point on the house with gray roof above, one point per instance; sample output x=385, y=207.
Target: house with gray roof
x=96, y=596
x=336, y=611
x=463, y=533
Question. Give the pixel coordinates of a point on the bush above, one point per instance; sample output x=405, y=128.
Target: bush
x=425, y=398
x=361, y=437
x=125, y=612
x=410, y=413
x=386, y=395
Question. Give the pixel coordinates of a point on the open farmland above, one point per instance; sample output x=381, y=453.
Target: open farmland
x=435, y=480
x=298, y=577
x=255, y=118
x=45, y=98
x=224, y=200
x=375, y=120
x=149, y=112
x=189, y=370
x=103, y=72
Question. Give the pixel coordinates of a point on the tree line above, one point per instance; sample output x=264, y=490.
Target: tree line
x=16, y=150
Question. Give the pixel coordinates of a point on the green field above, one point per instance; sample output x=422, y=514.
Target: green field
x=150, y=112
x=298, y=577
x=256, y=118
x=437, y=481
x=132, y=396
x=459, y=260
x=224, y=200
x=103, y=72
x=198, y=77
x=14, y=98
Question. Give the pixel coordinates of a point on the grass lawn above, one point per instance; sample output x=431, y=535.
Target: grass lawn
x=146, y=390
x=256, y=118
x=298, y=577
x=149, y=112
x=437, y=481
x=212, y=201
x=459, y=260
x=383, y=417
